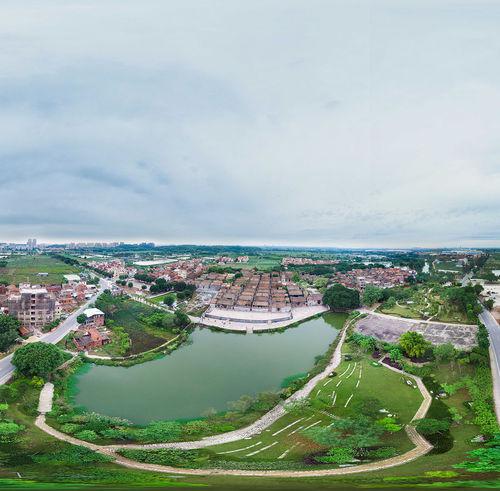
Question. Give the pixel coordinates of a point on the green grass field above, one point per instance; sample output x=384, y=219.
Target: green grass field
x=424, y=304
x=262, y=263
x=492, y=264
x=284, y=442
x=448, y=266
x=159, y=299
x=24, y=268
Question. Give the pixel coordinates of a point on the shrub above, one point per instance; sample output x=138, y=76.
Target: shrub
x=382, y=453
x=165, y=456
x=70, y=428
x=160, y=431
x=9, y=431
x=87, y=435
x=72, y=455
x=336, y=455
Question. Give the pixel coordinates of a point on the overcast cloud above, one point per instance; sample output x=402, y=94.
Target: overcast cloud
x=354, y=123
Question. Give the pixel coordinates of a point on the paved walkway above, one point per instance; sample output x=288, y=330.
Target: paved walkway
x=238, y=321
x=46, y=396
x=422, y=447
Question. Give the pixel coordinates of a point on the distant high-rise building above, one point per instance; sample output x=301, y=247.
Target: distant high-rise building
x=31, y=244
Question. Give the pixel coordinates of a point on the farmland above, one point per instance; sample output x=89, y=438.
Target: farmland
x=25, y=268
x=135, y=317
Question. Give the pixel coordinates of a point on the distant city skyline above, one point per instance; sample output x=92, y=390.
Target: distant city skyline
x=321, y=123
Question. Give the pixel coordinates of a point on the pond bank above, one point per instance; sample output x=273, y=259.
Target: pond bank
x=209, y=370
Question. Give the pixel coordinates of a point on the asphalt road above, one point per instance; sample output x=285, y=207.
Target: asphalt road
x=494, y=331
x=69, y=324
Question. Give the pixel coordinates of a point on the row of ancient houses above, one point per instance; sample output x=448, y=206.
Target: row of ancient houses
x=263, y=292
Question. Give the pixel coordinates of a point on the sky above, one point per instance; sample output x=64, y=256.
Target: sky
x=278, y=122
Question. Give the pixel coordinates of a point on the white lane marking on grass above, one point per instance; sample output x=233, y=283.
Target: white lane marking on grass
x=285, y=453
x=314, y=424
x=327, y=382
x=296, y=429
x=334, y=399
x=345, y=371
x=239, y=449
x=352, y=371
x=340, y=381
x=348, y=400
x=286, y=427
x=261, y=449
x=357, y=383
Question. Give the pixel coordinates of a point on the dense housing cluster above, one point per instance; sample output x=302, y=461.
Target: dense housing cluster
x=263, y=292
x=302, y=261
x=35, y=306
x=381, y=277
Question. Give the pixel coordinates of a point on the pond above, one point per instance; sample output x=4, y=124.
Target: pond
x=214, y=369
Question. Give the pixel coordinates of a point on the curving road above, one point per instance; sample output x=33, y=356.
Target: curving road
x=54, y=336
x=494, y=331
x=422, y=447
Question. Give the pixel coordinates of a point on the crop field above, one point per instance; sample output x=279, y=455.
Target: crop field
x=127, y=313
x=25, y=268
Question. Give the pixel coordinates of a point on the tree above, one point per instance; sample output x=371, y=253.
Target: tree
x=389, y=424
x=368, y=406
x=414, y=344
x=8, y=331
x=81, y=319
x=431, y=426
x=338, y=297
x=130, y=284
x=395, y=355
x=39, y=359
x=482, y=337
x=356, y=433
x=372, y=294
x=181, y=319
x=169, y=299
x=444, y=352
x=489, y=304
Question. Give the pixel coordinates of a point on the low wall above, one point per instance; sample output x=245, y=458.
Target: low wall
x=249, y=321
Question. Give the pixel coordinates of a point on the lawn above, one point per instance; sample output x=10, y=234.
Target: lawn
x=159, y=299
x=25, y=268
x=284, y=444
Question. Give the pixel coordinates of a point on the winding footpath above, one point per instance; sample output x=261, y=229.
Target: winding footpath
x=422, y=447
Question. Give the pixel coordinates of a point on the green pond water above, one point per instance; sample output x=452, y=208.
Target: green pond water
x=214, y=369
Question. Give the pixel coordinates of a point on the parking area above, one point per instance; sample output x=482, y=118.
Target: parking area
x=390, y=329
